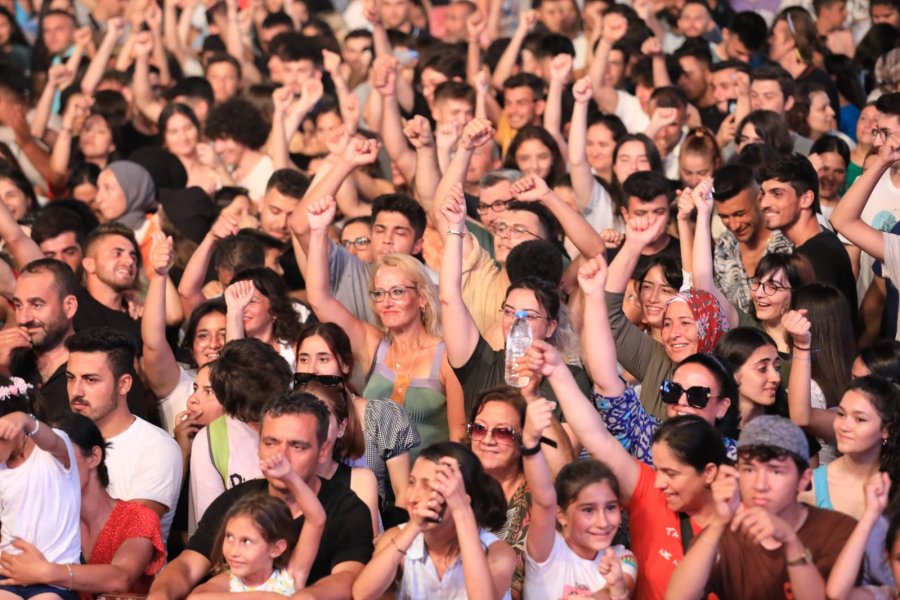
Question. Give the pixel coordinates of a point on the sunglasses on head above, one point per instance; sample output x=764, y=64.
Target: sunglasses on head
x=501, y=433
x=326, y=380
x=697, y=396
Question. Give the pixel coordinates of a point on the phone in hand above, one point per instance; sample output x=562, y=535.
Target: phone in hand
x=732, y=106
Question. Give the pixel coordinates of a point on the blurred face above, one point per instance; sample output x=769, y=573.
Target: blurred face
x=113, y=260
x=591, y=520
x=93, y=389
x=497, y=456
x=658, y=207
x=293, y=436
x=14, y=199
x=735, y=48
x=484, y=160
x=683, y=487
x=694, y=21
x=741, y=214
x=821, y=115
x=395, y=13
x=600, y=146
x=832, y=175
x=246, y=551
x=40, y=312
x=693, y=80
x=780, y=41
x=520, y=106
x=354, y=49
x=65, y=248
x=110, y=203
x=542, y=327
x=832, y=16
x=59, y=33
x=512, y=228
x=85, y=192
x=779, y=204
x=420, y=491
x=669, y=136
x=5, y=30
x=315, y=356
x=632, y=157
x=724, y=86
x=858, y=426
x=767, y=95
x=393, y=233
x=96, y=140
x=453, y=111
x=500, y=193
x=654, y=292
x=357, y=238
x=888, y=127
x=694, y=168
x=552, y=14
x=884, y=13
x=693, y=375
x=615, y=69
x=202, y=403
x=181, y=136
x=329, y=128
x=430, y=80
x=257, y=316
x=759, y=377
x=275, y=210
x=748, y=136
x=770, y=308
x=223, y=77
x=772, y=485
x=209, y=338
x=679, y=331
x=868, y=120
x=533, y=157
x=455, y=22
x=230, y=151
x=297, y=72
x=401, y=312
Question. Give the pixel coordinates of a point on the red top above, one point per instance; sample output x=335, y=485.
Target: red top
x=130, y=520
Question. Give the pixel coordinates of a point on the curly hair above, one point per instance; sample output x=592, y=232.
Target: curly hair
x=286, y=324
x=239, y=120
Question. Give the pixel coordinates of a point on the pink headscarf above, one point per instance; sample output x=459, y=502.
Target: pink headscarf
x=708, y=314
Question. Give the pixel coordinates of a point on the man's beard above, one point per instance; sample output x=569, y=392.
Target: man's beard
x=53, y=335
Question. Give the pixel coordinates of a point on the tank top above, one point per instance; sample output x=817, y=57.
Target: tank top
x=425, y=400
x=820, y=484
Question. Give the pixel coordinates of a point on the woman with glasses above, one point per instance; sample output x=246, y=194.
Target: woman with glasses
x=345, y=435
x=405, y=353
x=700, y=385
x=385, y=430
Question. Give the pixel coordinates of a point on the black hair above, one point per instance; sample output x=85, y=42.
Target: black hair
x=537, y=85
x=693, y=441
x=212, y=305
x=731, y=180
x=845, y=72
x=579, y=474
x=84, y=173
x=795, y=170
x=554, y=44
x=337, y=341
x=765, y=453
x=695, y=48
x=548, y=222
x=889, y=104
x=119, y=347
x=882, y=394
x=238, y=253
x=455, y=90
x=535, y=258
x=534, y=132
x=298, y=403
x=192, y=87
x=611, y=122
x=545, y=293
x=880, y=39
x=173, y=109
x=777, y=74
x=450, y=64
x=646, y=186
x=247, y=373
x=271, y=517
x=239, y=120
x=63, y=278
x=86, y=436
x=882, y=358
x=486, y=496
x=52, y=222
x=832, y=143
x=750, y=28
x=737, y=346
x=724, y=65
x=18, y=179
x=669, y=97
x=671, y=270
x=275, y=19
x=728, y=388
x=224, y=196
x=110, y=229
x=756, y=157
x=406, y=206
x=289, y=182
x=772, y=128
x=796, y=268
x=286, y=326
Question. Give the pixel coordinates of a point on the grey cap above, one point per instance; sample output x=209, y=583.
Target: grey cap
x=775, y=432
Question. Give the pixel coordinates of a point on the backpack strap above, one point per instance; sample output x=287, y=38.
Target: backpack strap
x=217, y=435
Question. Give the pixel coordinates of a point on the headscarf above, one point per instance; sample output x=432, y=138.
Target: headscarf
x=708, y=314
x=140, y=193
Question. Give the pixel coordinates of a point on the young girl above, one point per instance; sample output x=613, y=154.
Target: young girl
x=259, y=531
x=40, y=493
x=579, y=560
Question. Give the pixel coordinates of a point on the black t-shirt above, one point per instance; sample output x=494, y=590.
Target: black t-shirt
x=93, y=314
x=348, y=525
x=831, y=265
x=711, y=117
x=672, y=250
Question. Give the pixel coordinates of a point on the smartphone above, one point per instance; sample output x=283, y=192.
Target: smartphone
x=732, y=106
x=406, y=57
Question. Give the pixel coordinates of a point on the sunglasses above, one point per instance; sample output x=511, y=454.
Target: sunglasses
x=326, y=380
x=697, y=396
x=501, y=433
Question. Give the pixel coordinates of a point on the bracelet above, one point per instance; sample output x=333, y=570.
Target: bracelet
x=71, y=577
x=459, y=233
x=397, y=546
x=804, y=349
x=37, y=426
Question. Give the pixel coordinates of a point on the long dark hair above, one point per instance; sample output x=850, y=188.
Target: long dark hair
x=286, y=326
x=882, y=358
x=335, y=338
x=615, y=186
x=352, y=444
x=86, y=436
x=533, y=132
x=721, y=371
x=176, y=108
x=883, y=393
x=206, y=307
x=737, y=346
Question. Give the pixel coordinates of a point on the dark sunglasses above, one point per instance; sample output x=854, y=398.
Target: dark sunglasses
x=326, y=380
x=697, y=396
x=501, y=433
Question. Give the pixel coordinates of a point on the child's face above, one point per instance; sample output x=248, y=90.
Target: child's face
x=591, y=520
x=248, y=555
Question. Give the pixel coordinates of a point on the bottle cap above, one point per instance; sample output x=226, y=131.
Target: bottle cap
x=521, y=314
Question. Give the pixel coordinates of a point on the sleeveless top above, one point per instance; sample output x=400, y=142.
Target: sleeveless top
x=425, y=400
x=280, y=582
x=820, y=485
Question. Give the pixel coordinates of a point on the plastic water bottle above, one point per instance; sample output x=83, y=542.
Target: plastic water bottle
x=517, y=343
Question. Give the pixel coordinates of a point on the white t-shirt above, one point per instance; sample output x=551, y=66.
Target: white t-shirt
x=144, y=463
x=629, y=110
x=40, y=502
x=176, y=401
x=206, y=483
x=565, y=574
x=892, y=266
x=258, y=178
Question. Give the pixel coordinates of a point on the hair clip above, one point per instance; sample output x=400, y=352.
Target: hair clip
x=790, y=22
x=17, y=387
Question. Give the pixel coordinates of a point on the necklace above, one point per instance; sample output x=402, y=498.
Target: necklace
x=401, y=382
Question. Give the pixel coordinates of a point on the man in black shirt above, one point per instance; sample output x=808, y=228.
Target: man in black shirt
x=295, y=425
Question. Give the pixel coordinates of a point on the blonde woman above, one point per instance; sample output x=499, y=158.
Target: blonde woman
x=406, y=354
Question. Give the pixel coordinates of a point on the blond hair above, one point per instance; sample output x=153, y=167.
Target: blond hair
x=416, y=272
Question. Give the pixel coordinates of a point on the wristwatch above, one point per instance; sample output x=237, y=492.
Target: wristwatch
x=805, y=559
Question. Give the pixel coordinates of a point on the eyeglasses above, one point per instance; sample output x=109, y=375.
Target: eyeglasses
x=501, y=433
x=770, y=288
x=301, y=379
x=396, y=293
x=697, y=396
x=510, y=313
x=881, y=133
x=360, y=243
x=496, y=206
x=515, y=231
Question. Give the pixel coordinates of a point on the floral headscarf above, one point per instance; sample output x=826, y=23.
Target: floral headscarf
x=708, y=314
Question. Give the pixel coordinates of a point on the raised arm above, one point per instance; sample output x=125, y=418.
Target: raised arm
x=582, y=417
x=190, y=289
x=16, y=424
x=818, y=421
x=460, y=332
x=115, y=27
x=846, y=217
x=598, y=347
x=159, y=362
x=560, y=73
x=702, y=258
x=385, y=83
x=607, y=96
x=542, y=529
x=144, y=101
x=237, y=296
x=23, y=248
x=58, y=78
x=527, y=20
x=428, y=173
x=477, y=132
x=579, y=168
x=639, y=233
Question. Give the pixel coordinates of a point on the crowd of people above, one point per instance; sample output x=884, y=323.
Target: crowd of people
x=268, y=265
